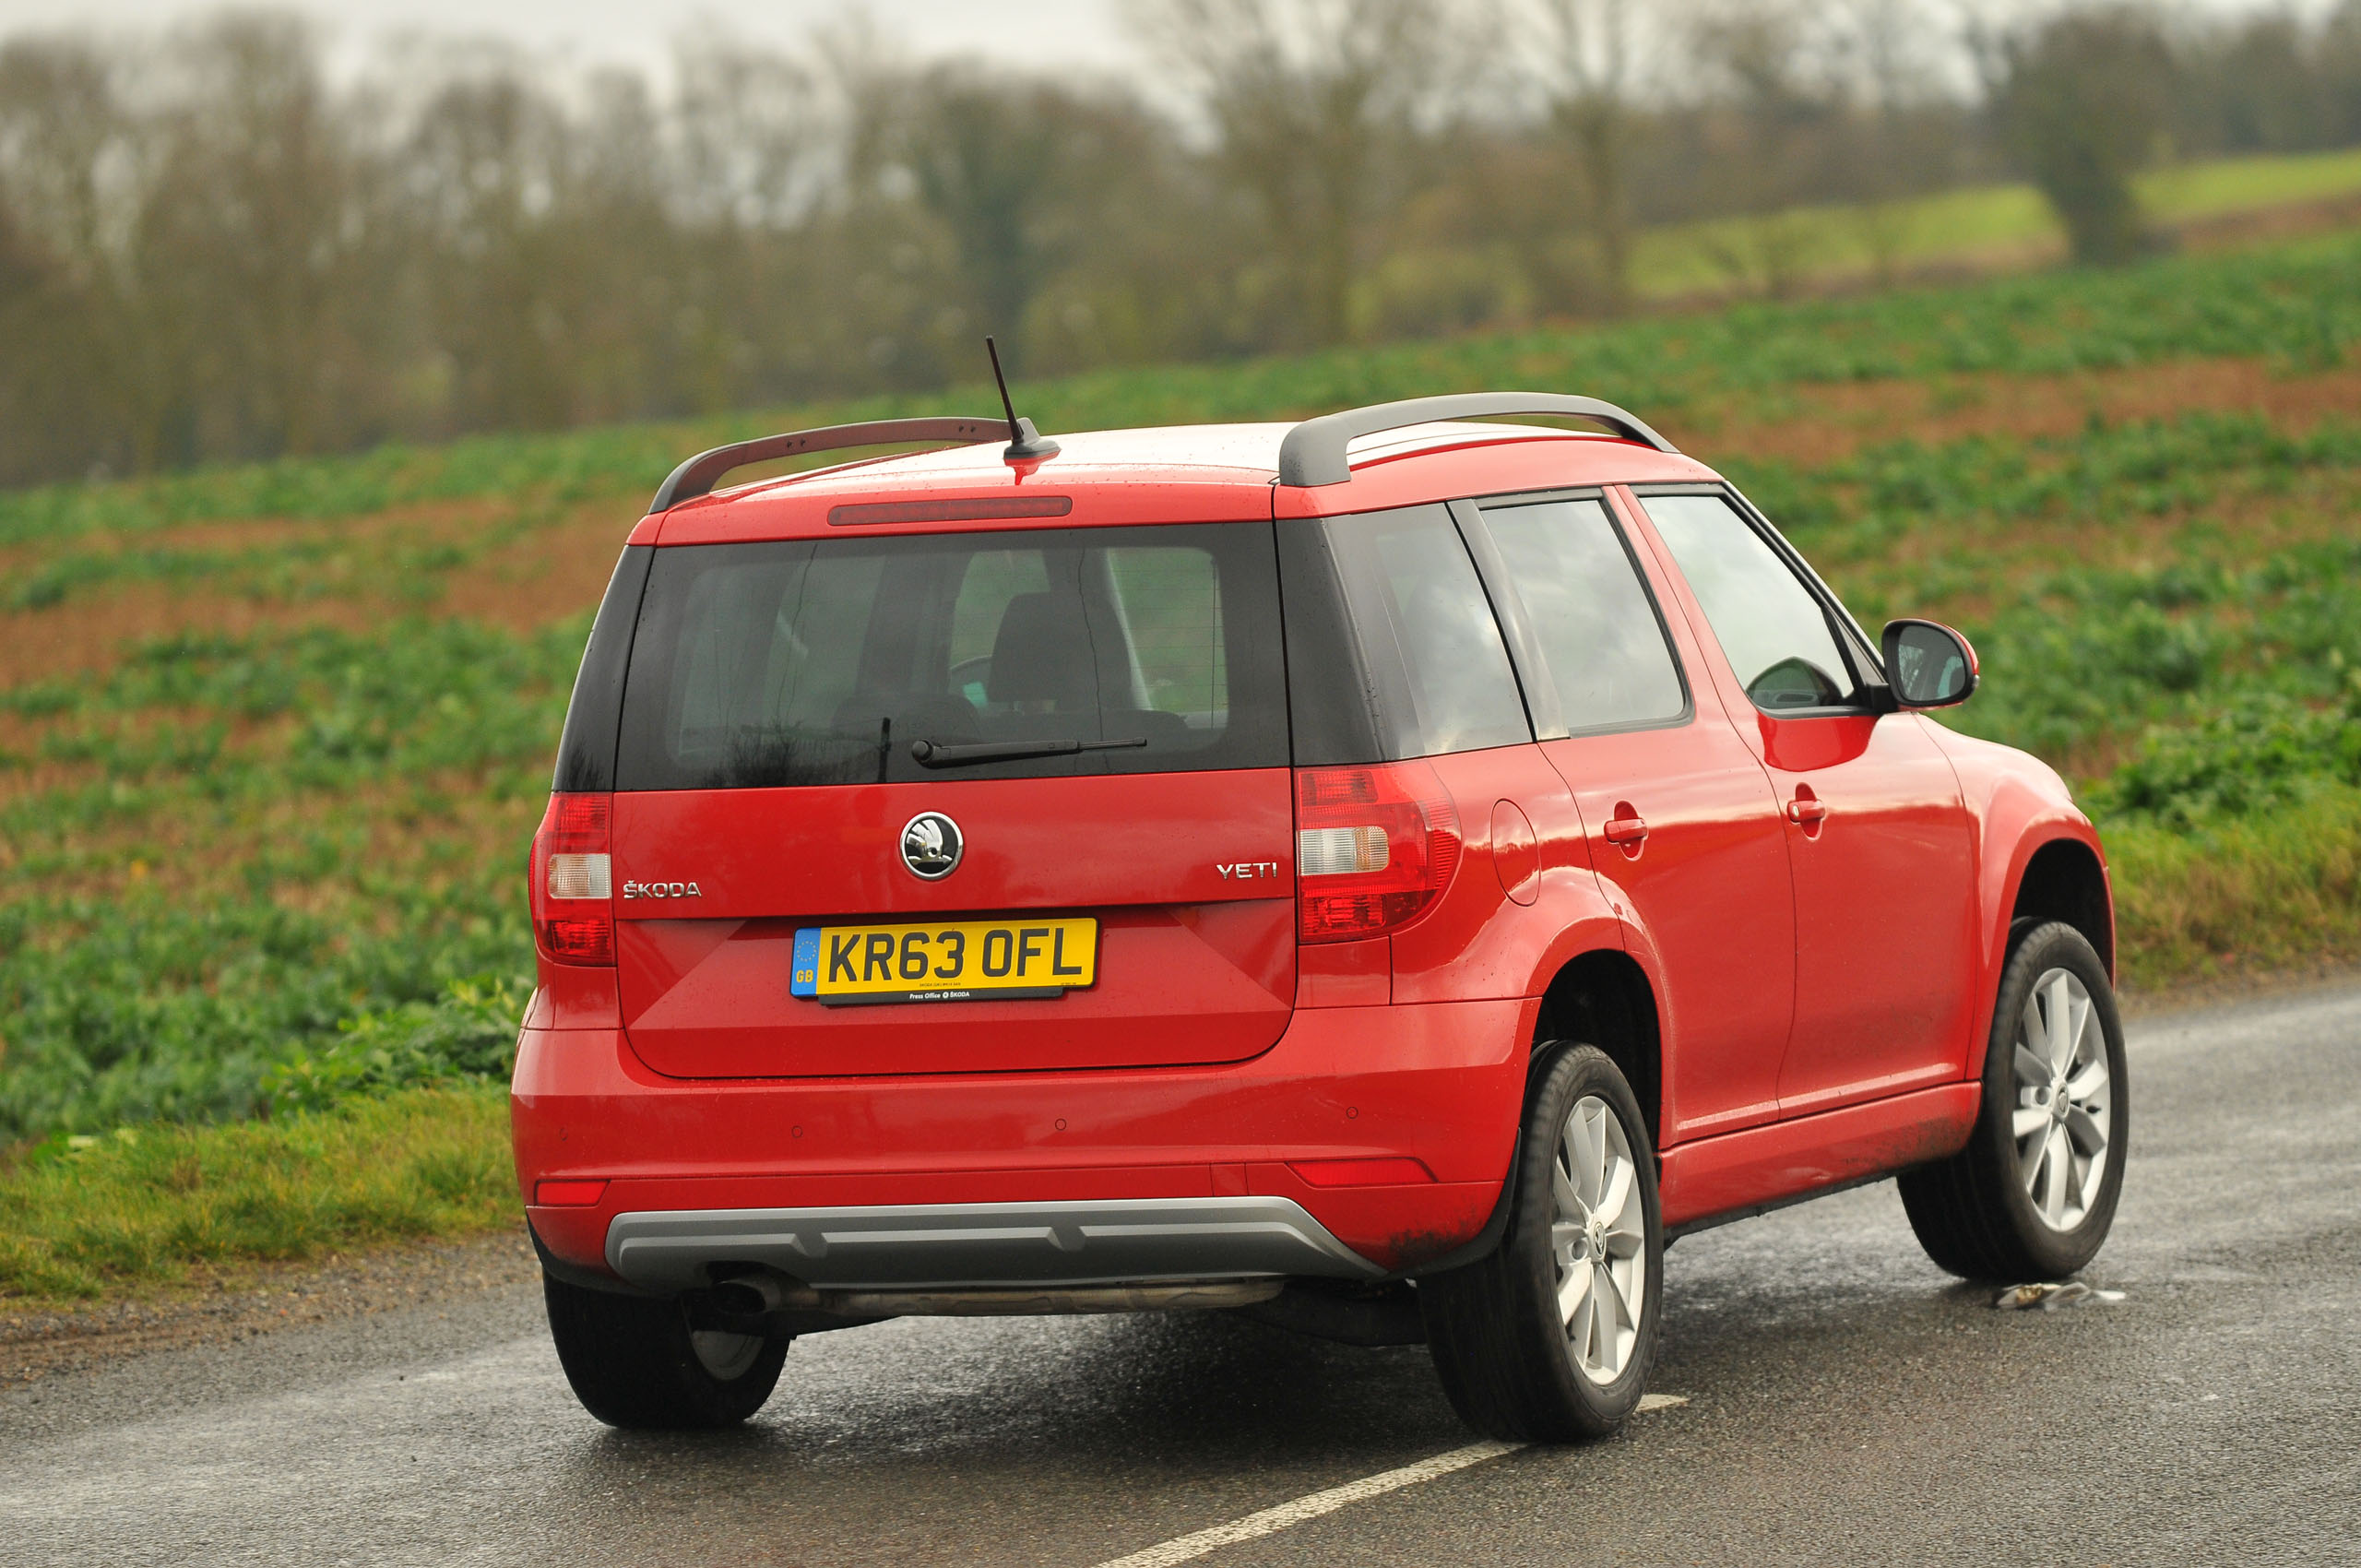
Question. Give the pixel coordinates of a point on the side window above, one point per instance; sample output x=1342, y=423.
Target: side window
x=1432, y=653
x=1598, y=630
x=1771, y=626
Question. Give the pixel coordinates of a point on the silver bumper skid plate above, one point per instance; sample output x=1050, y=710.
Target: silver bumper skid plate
x=952, y=1246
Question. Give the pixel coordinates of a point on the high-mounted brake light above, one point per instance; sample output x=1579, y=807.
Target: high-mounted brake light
x=1373, y=847
x=572, y=882
x=958, y=509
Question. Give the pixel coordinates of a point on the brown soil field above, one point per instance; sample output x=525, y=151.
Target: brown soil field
x=183, y=857
x=548, y=573
x=553, y=570
x=1827, y=424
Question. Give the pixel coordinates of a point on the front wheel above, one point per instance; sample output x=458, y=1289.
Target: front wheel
x=635, y=1361
x=2032, y=1195
x=1549, y=1339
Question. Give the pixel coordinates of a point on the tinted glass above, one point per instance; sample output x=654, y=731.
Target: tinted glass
x=1426, y=634
x=821, y=662
x=1597, y=628
x=586, y=752
x=1771, y=627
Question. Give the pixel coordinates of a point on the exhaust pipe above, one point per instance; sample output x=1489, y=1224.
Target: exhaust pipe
x=750, y=1295
x=761, y=1294
x=1206, y=1296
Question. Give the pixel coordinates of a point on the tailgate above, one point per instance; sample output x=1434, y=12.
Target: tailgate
x=1188, y=876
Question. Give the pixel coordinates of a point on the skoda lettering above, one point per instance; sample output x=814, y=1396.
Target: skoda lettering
x=662, y=890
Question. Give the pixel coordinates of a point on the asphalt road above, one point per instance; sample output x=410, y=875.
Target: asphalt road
x=1845, y=1403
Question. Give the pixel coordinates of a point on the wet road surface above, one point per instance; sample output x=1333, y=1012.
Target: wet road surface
x=1845, y=1403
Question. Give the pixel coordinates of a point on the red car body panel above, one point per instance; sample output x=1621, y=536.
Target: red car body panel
x=1821, y=990
x=1479, y=942
x=2019, y=806
x=1762, y=1166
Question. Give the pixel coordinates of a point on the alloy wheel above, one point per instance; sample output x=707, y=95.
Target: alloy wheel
x=724, y=1356
x=1597, y=1241
x=2062, y=1118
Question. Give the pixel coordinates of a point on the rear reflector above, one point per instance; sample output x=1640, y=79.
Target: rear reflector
x=568, y=1194
x=571, y=882
x=1373, y=847
x=1390, y=1172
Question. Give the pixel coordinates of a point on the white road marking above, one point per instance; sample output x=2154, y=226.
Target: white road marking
x=1270, y=1521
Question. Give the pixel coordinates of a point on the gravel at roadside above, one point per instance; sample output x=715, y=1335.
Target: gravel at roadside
x=254, y=1299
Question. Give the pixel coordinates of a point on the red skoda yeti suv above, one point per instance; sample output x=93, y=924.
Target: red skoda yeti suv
x=1386, y=876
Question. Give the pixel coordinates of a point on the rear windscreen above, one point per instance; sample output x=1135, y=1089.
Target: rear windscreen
x=1033, y=653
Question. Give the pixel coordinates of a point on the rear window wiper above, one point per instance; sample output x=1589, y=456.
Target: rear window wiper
x=927, y=753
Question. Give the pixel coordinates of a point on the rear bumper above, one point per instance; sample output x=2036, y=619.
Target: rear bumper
x=917, y=1246
x=1195, y=1172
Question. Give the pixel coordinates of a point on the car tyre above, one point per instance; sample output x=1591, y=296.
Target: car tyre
x=635, y=1363
x=2032, y=1195
x=1550, y=1337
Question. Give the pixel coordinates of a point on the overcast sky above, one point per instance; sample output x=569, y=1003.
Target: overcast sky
x=1078, y=32
x=1086, y=34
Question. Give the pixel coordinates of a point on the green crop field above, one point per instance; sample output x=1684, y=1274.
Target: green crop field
x=273, y=739
x=1978, y=226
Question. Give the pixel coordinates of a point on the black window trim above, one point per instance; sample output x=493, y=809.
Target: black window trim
x=1525, y=644
x=1536, y=689
x=1852, y=643
x=589, y=746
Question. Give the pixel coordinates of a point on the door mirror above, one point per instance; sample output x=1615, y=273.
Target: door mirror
x=1929, y=664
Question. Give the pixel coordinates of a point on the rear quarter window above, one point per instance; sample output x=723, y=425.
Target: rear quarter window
x=1393, y=651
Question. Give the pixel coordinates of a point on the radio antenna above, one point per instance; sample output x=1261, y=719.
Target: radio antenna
x=1025, y=444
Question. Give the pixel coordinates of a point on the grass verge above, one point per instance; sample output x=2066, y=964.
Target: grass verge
x=135, y=1211
x=2252, y=895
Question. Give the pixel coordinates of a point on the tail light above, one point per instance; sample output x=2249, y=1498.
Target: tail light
x=572, y=882
x=1373, y=847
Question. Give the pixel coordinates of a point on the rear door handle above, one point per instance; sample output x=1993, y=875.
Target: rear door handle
x=1804, y=809
x=1624, y=830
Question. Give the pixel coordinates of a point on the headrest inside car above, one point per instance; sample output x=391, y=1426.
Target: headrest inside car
x=1043, y=653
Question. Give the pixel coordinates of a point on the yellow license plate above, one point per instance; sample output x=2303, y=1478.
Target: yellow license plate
x=955, y=961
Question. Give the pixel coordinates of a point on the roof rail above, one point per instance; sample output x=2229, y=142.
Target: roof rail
x=1314, y=452
x=697, y=477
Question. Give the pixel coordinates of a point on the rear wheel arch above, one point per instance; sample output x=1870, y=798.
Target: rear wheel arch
x=2064, y=881
x=1603, y=998
x=1600, y=998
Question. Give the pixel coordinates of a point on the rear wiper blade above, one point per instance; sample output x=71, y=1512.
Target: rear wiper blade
x=927, y=753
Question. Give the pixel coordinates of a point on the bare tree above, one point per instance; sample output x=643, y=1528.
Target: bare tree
x=1887, y=45
x=1765, y=64
x=2082, y=102
x=1309, y=98
x=1587, y=64
x=252, y=226
x=212, y=248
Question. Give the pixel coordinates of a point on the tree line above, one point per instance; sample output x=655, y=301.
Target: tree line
x=211, y=248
